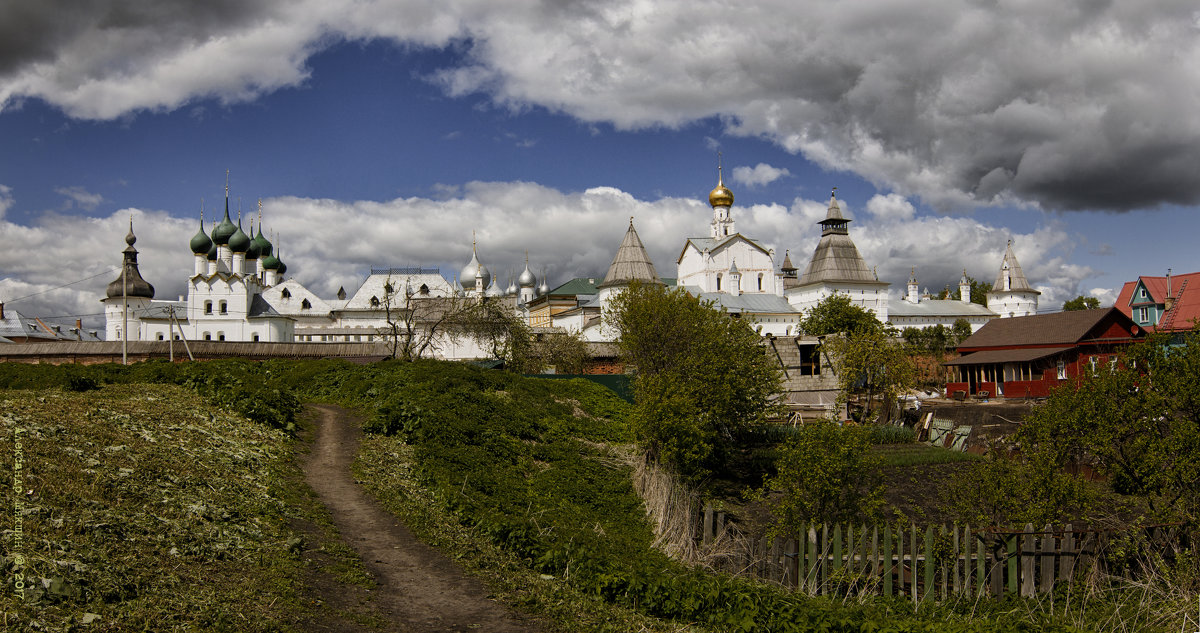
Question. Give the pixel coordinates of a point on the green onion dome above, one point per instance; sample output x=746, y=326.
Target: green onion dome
x=239, y=242
x=225, y=229
x=201, y=242
x=270, y=262
x=212, y=252
x=261, y=245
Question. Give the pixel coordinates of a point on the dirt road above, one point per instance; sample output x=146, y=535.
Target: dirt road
x=420, y=590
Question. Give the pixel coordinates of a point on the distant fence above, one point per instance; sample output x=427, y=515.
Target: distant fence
x=931, y=563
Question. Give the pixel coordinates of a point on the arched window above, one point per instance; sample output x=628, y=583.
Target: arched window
x=220, y=336
x=255, y=337
x=160, y=336
x=374, y=302
x=207, y=307
x=760, y=282
x=208, y=336
x=224, y=308
x=718, y=282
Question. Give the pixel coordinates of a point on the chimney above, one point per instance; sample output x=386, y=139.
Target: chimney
x=79, y=329
x=1, y=310
x=1170, y=300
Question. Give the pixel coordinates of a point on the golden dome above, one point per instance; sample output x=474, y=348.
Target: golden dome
x=721, y=196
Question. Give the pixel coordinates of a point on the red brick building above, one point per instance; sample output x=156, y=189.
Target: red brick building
x=1026, y=357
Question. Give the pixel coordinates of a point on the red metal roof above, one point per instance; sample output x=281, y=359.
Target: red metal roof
x=1187, y=299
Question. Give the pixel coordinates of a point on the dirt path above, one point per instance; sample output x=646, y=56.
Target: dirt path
x=419, y=589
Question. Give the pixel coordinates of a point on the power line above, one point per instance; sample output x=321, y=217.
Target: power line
x=72, y=283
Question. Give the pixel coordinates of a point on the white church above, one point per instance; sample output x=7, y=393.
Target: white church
x=237, y=290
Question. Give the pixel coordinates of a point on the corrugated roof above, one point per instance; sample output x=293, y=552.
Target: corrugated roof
x=713, y=244
x=631, y=263
x=1058, y=328
x=991, y=356
x=577, y=286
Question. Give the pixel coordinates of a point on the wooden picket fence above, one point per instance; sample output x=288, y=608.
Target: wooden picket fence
x=931, y=563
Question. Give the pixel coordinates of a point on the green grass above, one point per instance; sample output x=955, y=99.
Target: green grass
x=919, y=455
x=151, y=509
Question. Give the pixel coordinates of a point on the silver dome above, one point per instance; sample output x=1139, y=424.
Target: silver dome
x=467, y=275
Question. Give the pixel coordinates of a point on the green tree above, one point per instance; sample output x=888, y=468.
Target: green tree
x=1137, y=416
x=503, y=334
x=824, y=473
x=702, y=377
x=872, y=365
x=837, y=314
x=1081, y=303
x=960, y=331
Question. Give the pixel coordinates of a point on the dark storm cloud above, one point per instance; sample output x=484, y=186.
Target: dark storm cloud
x=1071, y=104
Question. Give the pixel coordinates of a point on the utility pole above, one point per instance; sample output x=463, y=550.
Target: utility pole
x=182, y=336
x=125, y=313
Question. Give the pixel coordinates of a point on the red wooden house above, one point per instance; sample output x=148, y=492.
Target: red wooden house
x=1026, y=357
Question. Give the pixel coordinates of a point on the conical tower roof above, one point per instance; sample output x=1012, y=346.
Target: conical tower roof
x=836, y=257
x=631, y=263
x=130, y=283
x=1011, y=269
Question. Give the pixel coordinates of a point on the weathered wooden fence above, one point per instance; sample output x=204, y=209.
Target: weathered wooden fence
x=930, y=563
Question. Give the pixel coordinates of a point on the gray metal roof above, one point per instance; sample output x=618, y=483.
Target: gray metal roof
x=937, y=307
x=750, y=303
x=631, y=263
x=711, y=244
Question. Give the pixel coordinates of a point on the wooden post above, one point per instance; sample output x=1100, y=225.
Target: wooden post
x=706, y=535
x=873, y=573
x=1027, y=562
x=1067, y=555
x=958, y=563
x=943, y=566
x=930, y=583
x=889, y=566
x=1049, y=550
x=1012, y=563
x=824, y=560
x=814, y=560
x=913, y=579
x=980, y=565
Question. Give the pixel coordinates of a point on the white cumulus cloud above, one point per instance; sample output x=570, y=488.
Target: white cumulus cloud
x=758, y=175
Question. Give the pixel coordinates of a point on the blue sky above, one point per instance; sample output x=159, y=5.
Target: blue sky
x=384, y=133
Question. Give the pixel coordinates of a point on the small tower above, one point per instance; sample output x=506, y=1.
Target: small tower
x=200, y=244
x=127, y=296
x=912, y=296
x=475, y=277
x=964, y=288
x=528, y=283
x=721, y=199
x=1011, y=295
x=735, y=279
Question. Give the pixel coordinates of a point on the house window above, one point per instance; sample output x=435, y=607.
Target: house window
x=1092, y=364
x=285, y=294
x=304, y=305
x=1142, y=293
x=1112, y=364
x=1062, y=370
x=207, y=307
x=1143, y=315
x=224, y=308
x=254, y=337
